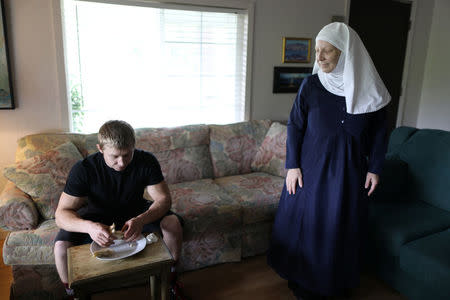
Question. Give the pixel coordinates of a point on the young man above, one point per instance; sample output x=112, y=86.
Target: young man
x=107, y=187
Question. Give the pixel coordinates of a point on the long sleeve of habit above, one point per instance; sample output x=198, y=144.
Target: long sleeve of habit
x=295, y=130
x=378, y=141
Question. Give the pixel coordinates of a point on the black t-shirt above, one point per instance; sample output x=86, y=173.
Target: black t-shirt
x=113, y=196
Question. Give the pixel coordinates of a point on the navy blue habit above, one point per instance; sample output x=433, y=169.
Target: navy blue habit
x=319, y=232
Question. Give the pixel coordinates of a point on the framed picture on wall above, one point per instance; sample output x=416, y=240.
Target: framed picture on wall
x=288, y=79
x=6, y=91
x=296, y=50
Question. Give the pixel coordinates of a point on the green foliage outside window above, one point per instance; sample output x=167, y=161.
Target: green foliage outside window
x=77, y=102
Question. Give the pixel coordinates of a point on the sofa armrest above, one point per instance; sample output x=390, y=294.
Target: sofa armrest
x=17, y=209
x=393, y=180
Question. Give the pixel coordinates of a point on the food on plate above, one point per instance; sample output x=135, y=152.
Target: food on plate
x=102, y=253
x=112, y=228
x=118, y=235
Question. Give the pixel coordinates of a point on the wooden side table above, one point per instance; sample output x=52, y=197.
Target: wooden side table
x=89, y=275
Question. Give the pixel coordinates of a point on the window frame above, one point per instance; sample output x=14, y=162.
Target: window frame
x=206, y=5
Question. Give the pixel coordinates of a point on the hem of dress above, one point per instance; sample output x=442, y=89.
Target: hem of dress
x=327, y=293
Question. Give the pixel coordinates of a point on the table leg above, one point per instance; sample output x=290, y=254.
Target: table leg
x=164, y=283
x=153, y=287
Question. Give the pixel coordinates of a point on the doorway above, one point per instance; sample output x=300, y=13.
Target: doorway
x=383, y=27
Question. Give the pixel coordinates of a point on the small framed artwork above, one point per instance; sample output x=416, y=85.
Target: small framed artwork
x=288, y=79
x=6, y=92
x=296, y=50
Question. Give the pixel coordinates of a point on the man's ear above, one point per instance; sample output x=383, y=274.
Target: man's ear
x=99, y=148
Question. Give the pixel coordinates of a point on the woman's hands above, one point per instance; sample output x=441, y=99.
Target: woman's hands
x=293, y=176
x=372, y=180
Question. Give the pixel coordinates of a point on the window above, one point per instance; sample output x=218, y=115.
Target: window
x=153, y=66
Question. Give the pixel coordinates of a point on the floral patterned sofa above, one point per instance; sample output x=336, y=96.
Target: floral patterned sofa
x=225, y=181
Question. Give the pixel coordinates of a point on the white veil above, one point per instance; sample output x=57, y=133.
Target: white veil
x=355, y=76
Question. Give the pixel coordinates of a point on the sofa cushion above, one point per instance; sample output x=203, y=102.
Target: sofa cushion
x=17, y=209
x=427, y=153
x=183, y=152
x=258, y=194
x=205, y=207
x=234, y=146
x=210, y=248
x=31, y=247
x=428, y=258
x=35, y=144
x=393, y=224
x=185, y=164
x=212, y=224
x=43, y=176
x=255, y=238
x=398, y=137
x=163, y=139
x=271, y=156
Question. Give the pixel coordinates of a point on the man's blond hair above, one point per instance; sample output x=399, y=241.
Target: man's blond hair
x=117, y=134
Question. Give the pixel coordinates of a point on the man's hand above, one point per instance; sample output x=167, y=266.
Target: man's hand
x=293, y=176
x=372, y=180
x=100, y=234
x=132, y=229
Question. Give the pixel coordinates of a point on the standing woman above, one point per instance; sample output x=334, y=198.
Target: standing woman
x=336, y=142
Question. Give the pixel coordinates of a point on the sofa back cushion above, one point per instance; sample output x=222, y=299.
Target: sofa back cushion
x=183, y=152
x=35, y=144
x=234, y=146
x=271, y=156
x=43, y=176
x=163, y=139
x=397, y=138
x=185, y=164
x=427, y=153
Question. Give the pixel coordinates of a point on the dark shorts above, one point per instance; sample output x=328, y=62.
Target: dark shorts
x=79, y=238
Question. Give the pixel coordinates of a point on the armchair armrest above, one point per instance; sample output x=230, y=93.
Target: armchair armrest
x=17, y=209
x=393, y=180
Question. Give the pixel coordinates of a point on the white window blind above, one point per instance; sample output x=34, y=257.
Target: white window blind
x=154, y=66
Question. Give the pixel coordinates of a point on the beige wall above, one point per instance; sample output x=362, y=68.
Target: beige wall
x=37, y=71
x=434, y=109
x=274, y=20
x=31, y=40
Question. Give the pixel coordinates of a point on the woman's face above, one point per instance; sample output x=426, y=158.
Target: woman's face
x=327, y=56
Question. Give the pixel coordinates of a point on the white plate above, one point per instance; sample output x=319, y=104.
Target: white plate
x=121, y=249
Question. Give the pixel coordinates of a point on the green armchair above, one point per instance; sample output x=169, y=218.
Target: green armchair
x=409, y=216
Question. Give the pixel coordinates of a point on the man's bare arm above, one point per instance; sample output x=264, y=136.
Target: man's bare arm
x=162, y=202
x=66, y=217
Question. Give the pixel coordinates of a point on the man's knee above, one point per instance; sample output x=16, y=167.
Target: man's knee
x=60, y=248
x=171, y=224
